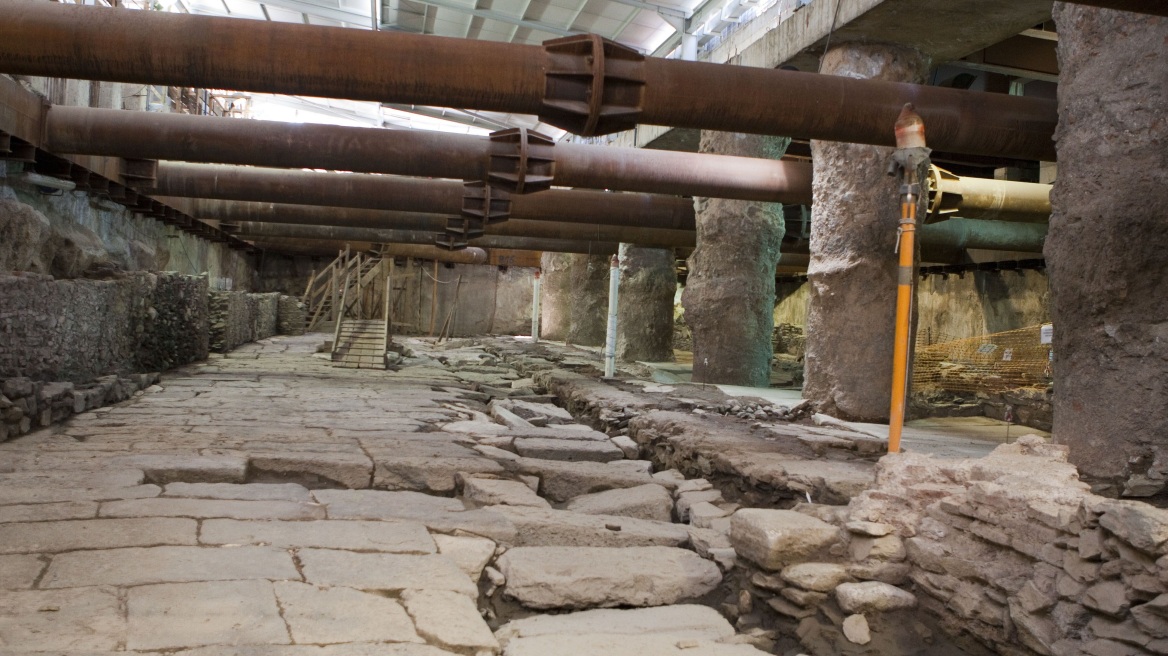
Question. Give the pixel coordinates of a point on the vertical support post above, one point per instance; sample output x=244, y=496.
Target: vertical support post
x=613, y=303
x=360, y=299
x=389, y=307
x=535, y=308
x=910, y=155
x=336, y=300
x=434, y=299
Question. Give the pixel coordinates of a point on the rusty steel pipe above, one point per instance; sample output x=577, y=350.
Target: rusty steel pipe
x=981, y=198
x=360, y=190
x=469, y=255
x=237, y=212
x=620, y=88
x=184, y=137
x=260, y=231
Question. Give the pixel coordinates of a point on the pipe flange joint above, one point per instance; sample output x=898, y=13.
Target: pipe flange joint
x=485, y=203
x=521, y=161
x=593, y=86
x=466, y=228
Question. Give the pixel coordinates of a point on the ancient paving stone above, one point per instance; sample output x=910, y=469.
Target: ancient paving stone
x=85, y=619
x=542, y=527
x=352, y=470
x=774, y=538
x=50, y=537
x=470, y=553
x=624, y=645
x=138, y=566
x=422, y=473
x=495, y=491
x=387, y=536
x=376, y=571
x=333, y=615
x=449, y=619
x=175, y=615
x=569, y=450
x=18, y=572
x=681, y=622
x=249, y=492
x=88, y=479
x=23, y=495
x=561, y=481
x=856, y=630
x=163, y=469
x=873, y=597
x=703, y=514
x=48, y=512
x=687, y=499
x=436, y=513
x=589, y=577
x=652, y=502
x=207, y=508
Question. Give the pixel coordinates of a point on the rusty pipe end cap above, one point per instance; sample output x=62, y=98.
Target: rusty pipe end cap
x=910, y=128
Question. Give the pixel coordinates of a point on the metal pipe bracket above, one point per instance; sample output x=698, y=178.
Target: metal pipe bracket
x=521, y=161
x=593, y=86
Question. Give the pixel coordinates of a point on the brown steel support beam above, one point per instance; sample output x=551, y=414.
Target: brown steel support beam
x=185, y=137
x=405, y=194
x=270, y=231
x=239, y=212
x=583, y=84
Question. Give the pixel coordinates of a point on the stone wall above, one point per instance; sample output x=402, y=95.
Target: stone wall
x=26, y=404
x=77, y=330
x=238, y=318
x=291, y=317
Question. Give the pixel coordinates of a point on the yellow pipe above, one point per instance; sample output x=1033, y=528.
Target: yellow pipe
x=905, y=276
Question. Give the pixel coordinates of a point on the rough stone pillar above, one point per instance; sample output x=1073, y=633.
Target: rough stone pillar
x=648, y=284
x=555, y=310
x=729, y=296
x=851, y=313
x=589, y=299
x=1107, y=250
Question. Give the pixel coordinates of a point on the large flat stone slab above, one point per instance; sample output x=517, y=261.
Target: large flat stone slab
x=19, y=572
x=652, y=502
x=449, y=620
x=681, y=622
x=428, y=474
x=567, y=450
x=161, y=469
x=561, y=481
x=496, y=491
x=388, y=536
x=356, y=649
x=623, y=645
x=53, y=494
x=210, y=508
x=248, y=492
x=85, y=619
x=176, y=615
x=535, y=527
x=773, y=539
x=52, y=537
x=351, y=470
x=438, y=514
x=392, y=572
x=139, y=566
x=48, y=512
x=469, y=552
x=593, y=577
x=318, y=615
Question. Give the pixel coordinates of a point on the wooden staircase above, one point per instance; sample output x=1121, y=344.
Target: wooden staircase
x=360, y=344
x=347, y=287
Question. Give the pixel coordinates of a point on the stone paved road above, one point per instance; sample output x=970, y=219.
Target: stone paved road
x=267, y=504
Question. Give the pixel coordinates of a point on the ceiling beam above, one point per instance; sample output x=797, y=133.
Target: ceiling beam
x=490, y=14
x=320, y=11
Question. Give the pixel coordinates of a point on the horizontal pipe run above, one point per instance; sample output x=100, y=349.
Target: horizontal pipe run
x=267, y=231
x=469, y=255
x=237, y=212
x=405, y=194
x=74, y=41
x=427, y=154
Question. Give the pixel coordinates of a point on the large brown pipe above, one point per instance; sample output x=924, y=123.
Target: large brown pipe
x=73, y=41
x=237, y=212
x=428, y=154
x=405, y=194
x=974, y=198
x=470, y=255
x=267, y=231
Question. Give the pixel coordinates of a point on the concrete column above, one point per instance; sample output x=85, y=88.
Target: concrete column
x=555, y=310
x=648, y=282
x=852, y=306
x=729, y=296
x=1107, y=250
x=589, y=299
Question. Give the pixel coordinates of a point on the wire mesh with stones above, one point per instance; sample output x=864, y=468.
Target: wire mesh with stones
x=990, y=363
